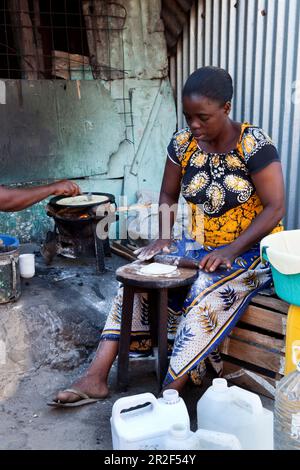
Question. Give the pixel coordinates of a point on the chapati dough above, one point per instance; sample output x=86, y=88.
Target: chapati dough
x=82, y=200
x=158, y=269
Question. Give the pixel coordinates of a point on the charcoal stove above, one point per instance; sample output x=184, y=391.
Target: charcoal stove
x=75, y=233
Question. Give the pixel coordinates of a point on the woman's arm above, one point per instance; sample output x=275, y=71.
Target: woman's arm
x=168, y=200
x=269, y=186
x=19, y=199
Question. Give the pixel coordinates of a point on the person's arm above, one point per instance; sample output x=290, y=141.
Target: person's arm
x=169, y=196
x=269, y=186
x=18, y=199
x=270, y=189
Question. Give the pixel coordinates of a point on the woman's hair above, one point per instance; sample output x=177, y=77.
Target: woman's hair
x=211, y=82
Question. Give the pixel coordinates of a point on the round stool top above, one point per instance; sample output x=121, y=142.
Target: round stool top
x=130, y=275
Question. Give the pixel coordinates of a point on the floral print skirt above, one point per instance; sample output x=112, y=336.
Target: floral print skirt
x=201, y=316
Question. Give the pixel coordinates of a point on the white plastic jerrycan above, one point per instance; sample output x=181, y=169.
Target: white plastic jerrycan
x=144, y=428
x=180, y=437
x=234, y=410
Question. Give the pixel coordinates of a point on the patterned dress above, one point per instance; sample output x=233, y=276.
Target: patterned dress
x=223, y=201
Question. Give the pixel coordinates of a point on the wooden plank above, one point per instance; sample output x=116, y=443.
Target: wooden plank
x=272, y=303
x=265, y=341
x=64, y=63
x=124, y=249
x=257, y=349
x=123, y=254
x=265, y=319
x=131, y=247
x=252, y=354
x=253, y=381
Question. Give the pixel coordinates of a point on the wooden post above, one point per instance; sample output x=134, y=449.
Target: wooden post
x=95, y=16
x=124, y=342
x=24, y=37
x=38, y=40
x=162, y=360
x=102, y=20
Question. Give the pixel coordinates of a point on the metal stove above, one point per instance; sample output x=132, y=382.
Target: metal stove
x=75, y=231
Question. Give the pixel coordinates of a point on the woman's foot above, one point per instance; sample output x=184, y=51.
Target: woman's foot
x=90, y=385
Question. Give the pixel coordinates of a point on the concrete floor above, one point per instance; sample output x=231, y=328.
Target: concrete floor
x=68, y=291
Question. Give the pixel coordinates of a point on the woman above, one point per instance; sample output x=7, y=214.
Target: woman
x=230, y=170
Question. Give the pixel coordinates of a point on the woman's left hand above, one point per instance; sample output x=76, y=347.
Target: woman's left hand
x=213, y=260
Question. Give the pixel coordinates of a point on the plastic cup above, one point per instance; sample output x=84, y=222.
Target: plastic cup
x=27, y=265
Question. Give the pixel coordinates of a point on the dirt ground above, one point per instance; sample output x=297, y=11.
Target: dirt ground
x=27, y=423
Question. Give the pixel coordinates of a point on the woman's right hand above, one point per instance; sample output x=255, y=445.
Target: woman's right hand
x=153, y=249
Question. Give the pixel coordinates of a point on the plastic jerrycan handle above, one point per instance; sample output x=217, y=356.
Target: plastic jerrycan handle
x=251, y=400
x=264, y=253
x=131, y=402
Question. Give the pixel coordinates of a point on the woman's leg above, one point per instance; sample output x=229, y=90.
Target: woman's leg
x=178, y=384
x=94, y=380
x=211, y=317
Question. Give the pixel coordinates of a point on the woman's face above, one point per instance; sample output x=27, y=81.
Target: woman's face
x=205, y=117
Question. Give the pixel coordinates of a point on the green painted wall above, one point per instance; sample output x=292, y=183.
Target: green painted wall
x=57, y=129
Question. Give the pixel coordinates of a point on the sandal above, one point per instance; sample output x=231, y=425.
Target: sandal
x=84, y=400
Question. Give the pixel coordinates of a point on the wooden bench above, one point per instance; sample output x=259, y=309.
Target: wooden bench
x=254, y=353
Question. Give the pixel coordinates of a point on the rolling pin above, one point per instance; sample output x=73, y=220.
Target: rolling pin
x=179, y=261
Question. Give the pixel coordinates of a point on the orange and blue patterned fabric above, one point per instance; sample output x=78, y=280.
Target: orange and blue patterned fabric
x=220, y=185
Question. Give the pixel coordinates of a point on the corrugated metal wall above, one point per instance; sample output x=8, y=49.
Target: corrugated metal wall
x=257, y=41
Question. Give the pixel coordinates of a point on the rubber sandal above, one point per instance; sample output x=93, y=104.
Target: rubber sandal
x=84, y=400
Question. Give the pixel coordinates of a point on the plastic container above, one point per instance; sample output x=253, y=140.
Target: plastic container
x=145, y=428
x=10, y=286
x=287, y=408
x=233, y=410
x=7, y=240
x=282, y=250
x=292, y=335
x=27, y=265
x=181, y=438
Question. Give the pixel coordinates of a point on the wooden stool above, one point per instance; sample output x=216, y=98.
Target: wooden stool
x=157, y=289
